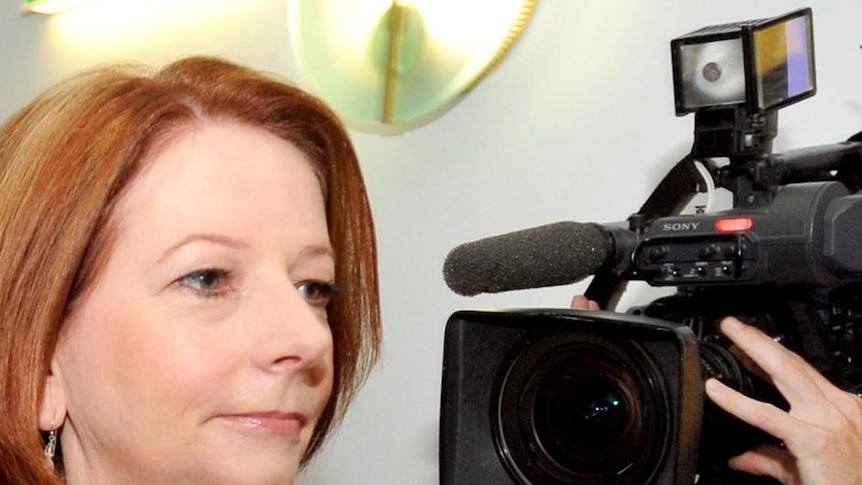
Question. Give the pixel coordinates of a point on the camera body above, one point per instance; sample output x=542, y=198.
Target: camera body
x=553, y=397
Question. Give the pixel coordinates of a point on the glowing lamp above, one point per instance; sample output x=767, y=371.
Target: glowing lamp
x=49, y=7
x=392, y=65
x=759, y=64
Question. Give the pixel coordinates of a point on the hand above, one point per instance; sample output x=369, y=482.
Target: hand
x=580, y=302
x=822, y=432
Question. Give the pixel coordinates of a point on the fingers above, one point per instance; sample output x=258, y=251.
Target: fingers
x=800, y=383
x=767, y=461
x=822, y=431
x=756, y=413
x=580, y=302
x=816, y=454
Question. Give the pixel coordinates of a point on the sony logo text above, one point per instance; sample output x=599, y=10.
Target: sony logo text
x=680, y=226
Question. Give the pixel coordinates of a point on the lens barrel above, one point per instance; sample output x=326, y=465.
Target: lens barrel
x=585, y=409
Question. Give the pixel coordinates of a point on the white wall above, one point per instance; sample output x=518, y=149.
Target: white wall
x=577, y=124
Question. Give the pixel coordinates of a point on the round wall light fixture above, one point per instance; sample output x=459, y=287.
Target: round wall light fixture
x=388, y=66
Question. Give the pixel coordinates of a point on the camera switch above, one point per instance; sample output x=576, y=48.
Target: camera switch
x=730, y=250
x=657, y=253
x=707, y=252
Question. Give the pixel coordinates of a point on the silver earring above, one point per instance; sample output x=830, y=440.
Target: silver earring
x=51, y=447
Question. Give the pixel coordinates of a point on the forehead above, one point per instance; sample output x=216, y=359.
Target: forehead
x=224, y=176
x=213, y=148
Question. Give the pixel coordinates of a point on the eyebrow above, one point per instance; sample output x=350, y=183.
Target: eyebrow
x=311, y=251
x=206, y=237
x=317, y=250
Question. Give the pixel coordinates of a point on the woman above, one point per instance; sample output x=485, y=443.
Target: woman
x=171, y=248
x=822, y=431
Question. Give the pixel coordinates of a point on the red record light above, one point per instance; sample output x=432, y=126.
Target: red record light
x=734, y=224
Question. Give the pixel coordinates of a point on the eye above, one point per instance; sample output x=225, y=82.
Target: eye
x=317, y=293
x=210, y=282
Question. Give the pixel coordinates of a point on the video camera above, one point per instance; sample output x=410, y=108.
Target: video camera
x=551, y=396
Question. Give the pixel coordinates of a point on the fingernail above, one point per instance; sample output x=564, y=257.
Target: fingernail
x=713, y=386
x=733, y=325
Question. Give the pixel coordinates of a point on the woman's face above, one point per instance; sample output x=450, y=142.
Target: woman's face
x=203, y=353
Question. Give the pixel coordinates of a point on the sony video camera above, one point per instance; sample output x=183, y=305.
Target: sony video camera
x=551, y=396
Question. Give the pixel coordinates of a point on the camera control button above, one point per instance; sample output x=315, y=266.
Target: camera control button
x=707, y=252
x=730, y=250
x=657, y=253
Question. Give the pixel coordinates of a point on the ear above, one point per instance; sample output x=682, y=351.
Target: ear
x=52, y=409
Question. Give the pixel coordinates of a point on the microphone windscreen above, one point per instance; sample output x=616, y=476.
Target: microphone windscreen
x=555, y=254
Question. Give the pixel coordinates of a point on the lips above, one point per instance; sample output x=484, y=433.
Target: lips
x=269, y=421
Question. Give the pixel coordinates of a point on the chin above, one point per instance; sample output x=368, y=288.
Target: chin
x=249, y=467
x=249, y=474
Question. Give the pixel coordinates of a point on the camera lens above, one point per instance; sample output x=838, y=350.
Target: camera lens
x=583, y=409
x=587, y=412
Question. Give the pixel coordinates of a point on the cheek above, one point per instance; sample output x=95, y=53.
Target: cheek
x=130, y=357
x=323, y=390
x=327, y=388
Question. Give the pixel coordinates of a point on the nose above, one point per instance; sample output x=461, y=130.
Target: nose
x=288, y=333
